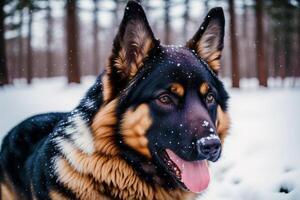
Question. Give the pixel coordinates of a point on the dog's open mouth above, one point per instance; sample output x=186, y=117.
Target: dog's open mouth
x=193, y=175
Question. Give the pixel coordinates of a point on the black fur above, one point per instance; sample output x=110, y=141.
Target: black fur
x=27, y=149
x=21, y=145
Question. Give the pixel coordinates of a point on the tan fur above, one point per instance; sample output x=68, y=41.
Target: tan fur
x=203, y=89
x=32, y=192
x=128, y=62
x=177, y=89
x=83, y=174
x=103, y=129
x=207, y=46
x=7, y=193
x=87, y=175
x=222, y=123
x=107, y=89
x=213, y=58
x=134, y=126
x=214, y=61
x=142, y=43
x=7, y=189
x=83, y=186
x=54, y=195
x=140, y=56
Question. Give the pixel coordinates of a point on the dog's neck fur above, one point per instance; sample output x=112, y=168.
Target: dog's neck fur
x=91, y=163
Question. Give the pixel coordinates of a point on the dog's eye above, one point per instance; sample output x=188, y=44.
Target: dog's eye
x=165, y=99
x=210, y=98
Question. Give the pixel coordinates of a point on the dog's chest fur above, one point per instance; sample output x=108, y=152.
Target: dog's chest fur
x=89, y=163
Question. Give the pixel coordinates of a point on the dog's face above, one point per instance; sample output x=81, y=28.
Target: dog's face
x=172, y=106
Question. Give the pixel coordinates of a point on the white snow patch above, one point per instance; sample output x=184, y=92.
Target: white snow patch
x=207, y=138
x=69, y=152
x=80, y=134
x=19, y=101
x=205, y=123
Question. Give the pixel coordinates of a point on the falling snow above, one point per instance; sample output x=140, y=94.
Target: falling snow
x=205, y=123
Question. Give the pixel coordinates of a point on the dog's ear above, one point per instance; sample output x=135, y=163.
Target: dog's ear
x=132, y=44
x=209, y=39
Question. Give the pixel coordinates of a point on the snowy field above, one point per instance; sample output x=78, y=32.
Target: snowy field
x=261, y=157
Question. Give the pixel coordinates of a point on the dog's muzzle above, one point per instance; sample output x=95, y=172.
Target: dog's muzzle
x=209, y=147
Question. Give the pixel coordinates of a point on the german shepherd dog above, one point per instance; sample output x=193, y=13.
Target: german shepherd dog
x=145, y=130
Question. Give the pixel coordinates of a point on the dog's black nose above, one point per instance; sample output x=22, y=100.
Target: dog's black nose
x=210, y=147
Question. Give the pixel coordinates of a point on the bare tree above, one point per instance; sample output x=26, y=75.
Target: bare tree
x=276, y=50
x=295, y=72
x=29, y=47
x=289, y=31
x=20, y=64
x=72, y=37
x=234, y=48
x=96, y=40
x=3, y=67
x=116, y=13
x=260, y=51
x=245, y=19
x=282, y=62
x=298, y=68
x=49, y=53
x=246, y=40
x=167, y=38
x=206, y=6
x=186, y=18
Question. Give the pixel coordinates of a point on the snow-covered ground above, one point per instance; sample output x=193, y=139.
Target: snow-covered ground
x=261, y=157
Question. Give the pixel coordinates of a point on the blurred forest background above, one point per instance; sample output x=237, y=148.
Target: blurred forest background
x=73, y=38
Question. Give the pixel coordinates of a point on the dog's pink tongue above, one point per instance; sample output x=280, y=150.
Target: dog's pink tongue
x=194, y=174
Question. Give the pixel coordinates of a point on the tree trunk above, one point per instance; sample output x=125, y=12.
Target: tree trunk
x=50, y=70
x=234, y=48
x=206, y=7
x=186, y=17
x=260, y=50
x=146, y=5
x=29, y=48
x=269, y=45
x=96, y=40
x=116, y=13
x=246, y=41
x=282, y=63
x=276, y=53
x=287, y=53
x=167, y=22
x=298, y=68
x=3, y=67
x=72, y=42
x=20, y=61
x=245, y=19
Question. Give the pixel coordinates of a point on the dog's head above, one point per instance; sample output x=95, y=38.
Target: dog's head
x=171, y=109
